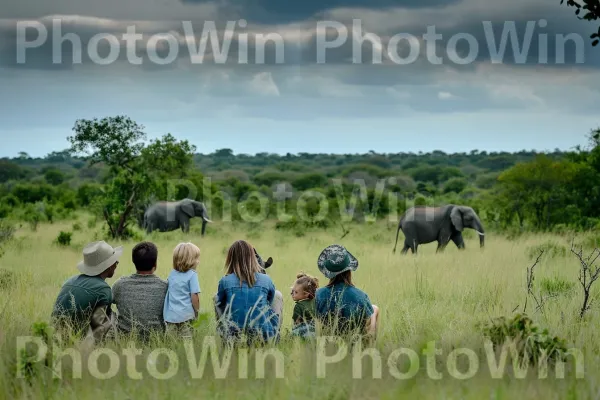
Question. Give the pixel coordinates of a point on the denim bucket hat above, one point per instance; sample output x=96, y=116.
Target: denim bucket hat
x=335, y=259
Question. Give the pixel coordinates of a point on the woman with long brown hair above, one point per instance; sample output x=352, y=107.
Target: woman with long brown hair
x=247, y=301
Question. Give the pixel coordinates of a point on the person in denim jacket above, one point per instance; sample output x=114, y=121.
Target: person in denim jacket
x=247, y=301
x=342, y=308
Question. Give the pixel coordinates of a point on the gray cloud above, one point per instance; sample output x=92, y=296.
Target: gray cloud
x=275, y=11
x=298, y=44
x=300, y=89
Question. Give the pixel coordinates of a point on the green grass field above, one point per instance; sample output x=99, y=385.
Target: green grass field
x=430, y=297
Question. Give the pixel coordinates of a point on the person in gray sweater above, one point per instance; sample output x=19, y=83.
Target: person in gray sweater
x=140, y=297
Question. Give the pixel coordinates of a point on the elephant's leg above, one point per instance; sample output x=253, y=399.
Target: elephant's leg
x=442, y=243
x=440, y=247
x=414, y=246
x=408, y=244
x=184, y=225
x=458, y=241
x=405, y=249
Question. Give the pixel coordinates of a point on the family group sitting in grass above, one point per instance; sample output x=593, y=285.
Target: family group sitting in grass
x=246, y=301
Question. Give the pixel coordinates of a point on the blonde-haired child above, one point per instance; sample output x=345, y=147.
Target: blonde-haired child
x=182, y=301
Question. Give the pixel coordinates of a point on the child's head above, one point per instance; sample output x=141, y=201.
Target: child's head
x=186, y=256
x=305, y=287
x=241, y=261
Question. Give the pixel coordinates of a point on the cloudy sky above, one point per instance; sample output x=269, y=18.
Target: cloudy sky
x=318, y=89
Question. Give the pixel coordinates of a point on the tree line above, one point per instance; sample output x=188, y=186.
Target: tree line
x=112, y=170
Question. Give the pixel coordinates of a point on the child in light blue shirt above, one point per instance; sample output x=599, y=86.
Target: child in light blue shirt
x=182, y=301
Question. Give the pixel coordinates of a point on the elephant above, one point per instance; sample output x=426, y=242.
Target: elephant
x=423, y=224
x=168, y=216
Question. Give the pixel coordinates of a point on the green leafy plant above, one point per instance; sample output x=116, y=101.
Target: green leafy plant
x=556, y=286
x=550, y=249
x=6, y=234
x=7, y=279
x=64, y=238
x=530, y=341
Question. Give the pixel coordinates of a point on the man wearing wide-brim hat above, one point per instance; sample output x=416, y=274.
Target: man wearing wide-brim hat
x=84, y=300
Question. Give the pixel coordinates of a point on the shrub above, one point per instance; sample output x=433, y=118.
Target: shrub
x=550, y=249
x=592, y=242
x=291, y=224
x=6, y=233
x=556, y=286
x=530, y=342
x=7, y=279
x=92, y=223
x=76, y=226
x=64, y=238
x=456, y=185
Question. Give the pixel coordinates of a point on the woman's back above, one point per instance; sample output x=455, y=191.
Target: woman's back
x=343, y=307
x=248, y=308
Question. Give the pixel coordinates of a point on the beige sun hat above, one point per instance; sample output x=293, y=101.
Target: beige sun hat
x=97, y=257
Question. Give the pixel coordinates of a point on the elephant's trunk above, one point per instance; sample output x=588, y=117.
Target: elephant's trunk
x=481, y=233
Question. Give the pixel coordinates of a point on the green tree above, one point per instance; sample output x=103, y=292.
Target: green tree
x=536, y=189
x=54, y=176
x=137, y=169
x=455, y=185
x=10, y=171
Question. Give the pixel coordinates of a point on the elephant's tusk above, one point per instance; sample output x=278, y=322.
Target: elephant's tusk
x=207, y=220
x=479, y=233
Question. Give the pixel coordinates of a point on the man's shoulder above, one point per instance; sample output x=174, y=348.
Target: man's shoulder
x=131, y=280
x=122, y=280
x=71, y=280
x=88, y=282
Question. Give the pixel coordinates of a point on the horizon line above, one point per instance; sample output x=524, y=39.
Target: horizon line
x=366, y=153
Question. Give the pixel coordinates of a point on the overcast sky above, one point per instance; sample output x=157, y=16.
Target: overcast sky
x=531, y=98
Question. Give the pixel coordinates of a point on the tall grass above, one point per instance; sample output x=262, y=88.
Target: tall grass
x=423, y=298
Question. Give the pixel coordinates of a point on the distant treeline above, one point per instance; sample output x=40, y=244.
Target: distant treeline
x=524, y=190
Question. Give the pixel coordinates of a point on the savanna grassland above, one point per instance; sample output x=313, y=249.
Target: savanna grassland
x=428, y=297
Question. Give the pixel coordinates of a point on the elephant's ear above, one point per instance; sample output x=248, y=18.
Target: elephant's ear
x=456, y=218
x=188, y=209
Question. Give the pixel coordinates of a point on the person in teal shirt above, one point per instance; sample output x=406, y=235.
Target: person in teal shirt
x=342, y=308
x=83, y=303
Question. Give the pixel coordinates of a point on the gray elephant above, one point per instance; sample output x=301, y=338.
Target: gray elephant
x=425, y=224
x=168, y=216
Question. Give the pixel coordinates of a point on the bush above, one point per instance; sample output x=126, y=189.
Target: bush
x=592, y=242
x=456, y=185
x=527, y=338
x=64, y=238
x=550, y=249
x=556, y=286
x=7, y=279
x=76, y=226
x=6, y=233
x=91, y=224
